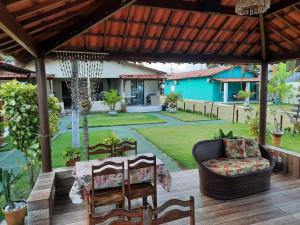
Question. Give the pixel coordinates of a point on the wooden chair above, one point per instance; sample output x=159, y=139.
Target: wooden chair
x=155, y=218
x=125, y=146
x=133, y=217
x=107, y=196
x=145, y=189
x=99, y=149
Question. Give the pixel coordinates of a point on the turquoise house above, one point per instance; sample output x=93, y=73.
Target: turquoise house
x=220, y=84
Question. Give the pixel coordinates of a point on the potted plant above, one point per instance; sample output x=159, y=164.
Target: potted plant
x=245, y=95
x=111, y=98
x=171, y=101
x=112, y=140
x=276, y=132
x=14, y=211
x=71, y=155
x=1, y=131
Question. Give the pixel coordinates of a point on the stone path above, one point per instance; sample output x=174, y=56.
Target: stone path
x=7, y=159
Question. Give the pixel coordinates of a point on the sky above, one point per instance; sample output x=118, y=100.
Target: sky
x=175, y=67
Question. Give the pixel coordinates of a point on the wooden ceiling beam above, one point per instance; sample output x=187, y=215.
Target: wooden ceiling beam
x=275, y=58
x=187, y=20
x=233, y=50
x=125, y=29
x=263, y=37
x=288, y=23
x=198, y=34
x=146, y=27
x=99, y=13
x=278, y=33
x=190, y=6
x=166, y=27
x=281, y=5
x=13, y=29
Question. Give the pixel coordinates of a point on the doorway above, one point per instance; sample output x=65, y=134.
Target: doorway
x=137, y=91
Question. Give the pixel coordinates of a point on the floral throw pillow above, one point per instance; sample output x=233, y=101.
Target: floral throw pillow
x=235, y=148
x=252, y=148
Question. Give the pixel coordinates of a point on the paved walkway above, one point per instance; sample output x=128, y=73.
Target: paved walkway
x=9, y=159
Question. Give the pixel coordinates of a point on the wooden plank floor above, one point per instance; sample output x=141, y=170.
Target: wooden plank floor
x=279, y=205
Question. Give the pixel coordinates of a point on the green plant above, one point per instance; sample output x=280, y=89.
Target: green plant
x=221, y=134
x=172, y=99
x=244, y=94
x=252, y=120
x=112, y=139
x=275, y=121
x=111, y=98
x=5, y=179
x=54, y=112
x=1, y=127
x=71, y=153
x=277, y=85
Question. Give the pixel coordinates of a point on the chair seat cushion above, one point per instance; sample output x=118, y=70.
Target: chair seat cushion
x=231, y=167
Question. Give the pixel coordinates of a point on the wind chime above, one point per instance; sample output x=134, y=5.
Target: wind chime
x=251, y=7
x=81, y=71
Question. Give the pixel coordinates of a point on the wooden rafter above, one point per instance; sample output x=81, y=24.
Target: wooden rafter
x=146, y=27
x=13, y=29
x=125, y=29
x=216, y=35
x=166, y=27
x=187, y=20
x=281, y=5
x=191, y=6
x=232, y=36
x=283, y=56
x=232, y=51
x=263, y=37
x=288, y=23
x=278, y=33
x=198, y=34
x=98, y=14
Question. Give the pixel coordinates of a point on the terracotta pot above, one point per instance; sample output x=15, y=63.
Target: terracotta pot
x=276, y=138
x=72, y=162
x=15, y=217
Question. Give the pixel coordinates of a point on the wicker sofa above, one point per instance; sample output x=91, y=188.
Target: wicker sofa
x=229, y=187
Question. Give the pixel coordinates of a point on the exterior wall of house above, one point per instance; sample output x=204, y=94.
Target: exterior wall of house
x=204, y=88
x=150, y=87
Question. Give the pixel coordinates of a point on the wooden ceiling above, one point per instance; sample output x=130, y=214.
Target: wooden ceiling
x=151, y=30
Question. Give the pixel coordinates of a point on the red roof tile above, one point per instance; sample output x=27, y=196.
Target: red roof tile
x=143, y=76
x=199, y=73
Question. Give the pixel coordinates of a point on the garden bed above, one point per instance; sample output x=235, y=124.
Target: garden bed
x=121, y=119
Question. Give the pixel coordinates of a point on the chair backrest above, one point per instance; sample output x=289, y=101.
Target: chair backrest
x=99, y=149
x=125, y=146
x=133, y=217
x=141, y=162
x=107, y=168
x=156, y=217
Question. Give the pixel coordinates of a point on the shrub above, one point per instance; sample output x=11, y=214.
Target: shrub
x=111, y=98
x=172, y=99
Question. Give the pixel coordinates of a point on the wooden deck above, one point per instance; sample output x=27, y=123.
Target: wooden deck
x=279, y=205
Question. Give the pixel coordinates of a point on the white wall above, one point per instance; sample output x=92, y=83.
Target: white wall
x=150, y=87
x=110, y=69
x=57, y=88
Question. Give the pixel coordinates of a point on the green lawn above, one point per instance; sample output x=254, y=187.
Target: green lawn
x=64, y=140
x=121, y=119
x=178, y=141
x=186, y=116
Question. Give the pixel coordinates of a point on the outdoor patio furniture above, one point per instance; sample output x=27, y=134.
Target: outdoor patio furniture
x=222, y=186
x=109, y=195
x=82, y=173
x=173, y=214
x=99, y=149
x=125, y=146
x=118, y=217
x=137, y=189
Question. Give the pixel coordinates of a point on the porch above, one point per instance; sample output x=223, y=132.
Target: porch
x=279, y=205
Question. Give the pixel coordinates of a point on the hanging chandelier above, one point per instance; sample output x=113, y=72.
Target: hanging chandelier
x=251, y=7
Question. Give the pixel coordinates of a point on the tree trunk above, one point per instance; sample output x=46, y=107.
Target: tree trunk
x=75, y=108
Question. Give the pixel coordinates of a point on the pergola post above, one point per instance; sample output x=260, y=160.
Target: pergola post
x=43, y=114
x=263, y=103
x=225, y=94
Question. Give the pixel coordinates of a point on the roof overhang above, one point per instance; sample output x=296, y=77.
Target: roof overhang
x=235, y=80
x=143, y=77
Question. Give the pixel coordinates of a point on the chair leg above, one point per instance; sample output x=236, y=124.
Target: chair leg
x=145, y=201
x=154, y=200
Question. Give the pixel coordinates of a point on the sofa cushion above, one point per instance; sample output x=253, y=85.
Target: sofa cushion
x=235, y=148
x=252, y=148
x=231, y=167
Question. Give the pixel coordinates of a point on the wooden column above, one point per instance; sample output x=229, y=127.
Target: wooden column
x=43, y=114
x=263, y=103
